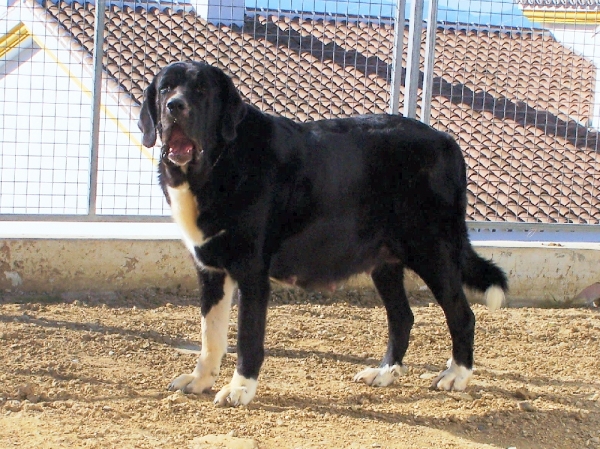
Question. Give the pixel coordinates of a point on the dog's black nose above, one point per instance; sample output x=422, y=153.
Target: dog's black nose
x=176, y=105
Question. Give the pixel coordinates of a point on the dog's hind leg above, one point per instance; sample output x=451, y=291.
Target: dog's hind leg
x=216, y=293
x=438, y=265
x=389, y=281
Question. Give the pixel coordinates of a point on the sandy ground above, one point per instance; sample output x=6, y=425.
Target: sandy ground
x=93, y=372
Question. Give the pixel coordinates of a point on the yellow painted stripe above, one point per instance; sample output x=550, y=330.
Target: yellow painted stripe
x=13, y=39
x=568, y=17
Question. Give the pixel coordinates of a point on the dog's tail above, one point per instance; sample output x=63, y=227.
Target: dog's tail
x=484, y=276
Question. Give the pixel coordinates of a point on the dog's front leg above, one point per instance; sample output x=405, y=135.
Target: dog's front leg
x=214, y=252
x=216, y=293
x=222, y=250
x=252, y=316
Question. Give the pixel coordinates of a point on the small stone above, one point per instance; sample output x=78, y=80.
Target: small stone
x=526, y=406
x=26, y=390
x=524, y=394
x=176, y=398
x=222, y=441
x=428, y=376
x=13, y=405
x=29, y=407
x=465, y=397
x=595, y=440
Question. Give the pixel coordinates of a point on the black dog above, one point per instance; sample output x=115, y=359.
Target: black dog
x=310, y=204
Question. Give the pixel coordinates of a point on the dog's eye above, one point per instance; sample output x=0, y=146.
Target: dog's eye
x=200, y=90
x=165, y=90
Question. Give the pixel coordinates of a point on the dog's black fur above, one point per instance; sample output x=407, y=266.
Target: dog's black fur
x=314, y=203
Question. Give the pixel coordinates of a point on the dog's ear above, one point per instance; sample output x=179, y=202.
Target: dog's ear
x=233, y=111
x=147, y=121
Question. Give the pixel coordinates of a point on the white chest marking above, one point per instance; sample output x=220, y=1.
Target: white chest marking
x=184, y=209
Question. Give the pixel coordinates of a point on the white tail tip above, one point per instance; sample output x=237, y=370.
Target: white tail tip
x=494, y=298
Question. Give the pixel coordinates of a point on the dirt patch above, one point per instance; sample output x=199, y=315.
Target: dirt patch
x=93, y=373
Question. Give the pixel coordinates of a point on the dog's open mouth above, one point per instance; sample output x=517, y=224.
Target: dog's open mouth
x=181, y=148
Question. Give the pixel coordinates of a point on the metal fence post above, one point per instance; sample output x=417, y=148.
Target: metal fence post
x=397, y=57
x=411, y=84
x=96, y=102
x=429, y=57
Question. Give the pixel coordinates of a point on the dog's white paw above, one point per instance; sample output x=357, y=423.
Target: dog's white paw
x=192, y=383
x=240, y=391
x=380, y=377
x=456, y=378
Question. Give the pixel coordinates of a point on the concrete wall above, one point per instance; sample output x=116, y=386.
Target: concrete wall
x=56, y=266
x=539, y=274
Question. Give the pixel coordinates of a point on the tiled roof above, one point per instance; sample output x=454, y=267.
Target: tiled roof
x=517, y=101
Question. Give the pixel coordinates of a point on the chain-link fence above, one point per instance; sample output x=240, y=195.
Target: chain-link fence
x=515, y=82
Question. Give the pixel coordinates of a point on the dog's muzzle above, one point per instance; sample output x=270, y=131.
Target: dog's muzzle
x=180, y=147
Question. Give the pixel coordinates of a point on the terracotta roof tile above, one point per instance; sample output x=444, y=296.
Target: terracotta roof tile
x=516, y=101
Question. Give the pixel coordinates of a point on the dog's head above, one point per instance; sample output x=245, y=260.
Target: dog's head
x=193, y=107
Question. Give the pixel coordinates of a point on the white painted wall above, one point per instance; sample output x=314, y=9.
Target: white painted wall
x=45, y=121
x=44, y=155
x=583, y=40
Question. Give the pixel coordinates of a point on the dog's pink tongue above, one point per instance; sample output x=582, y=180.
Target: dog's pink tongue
x=180, y=148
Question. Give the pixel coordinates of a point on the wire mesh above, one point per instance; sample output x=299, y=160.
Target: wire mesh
x=519, y=94
x=45, y=129
x=516, y=87
x=47, y=80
